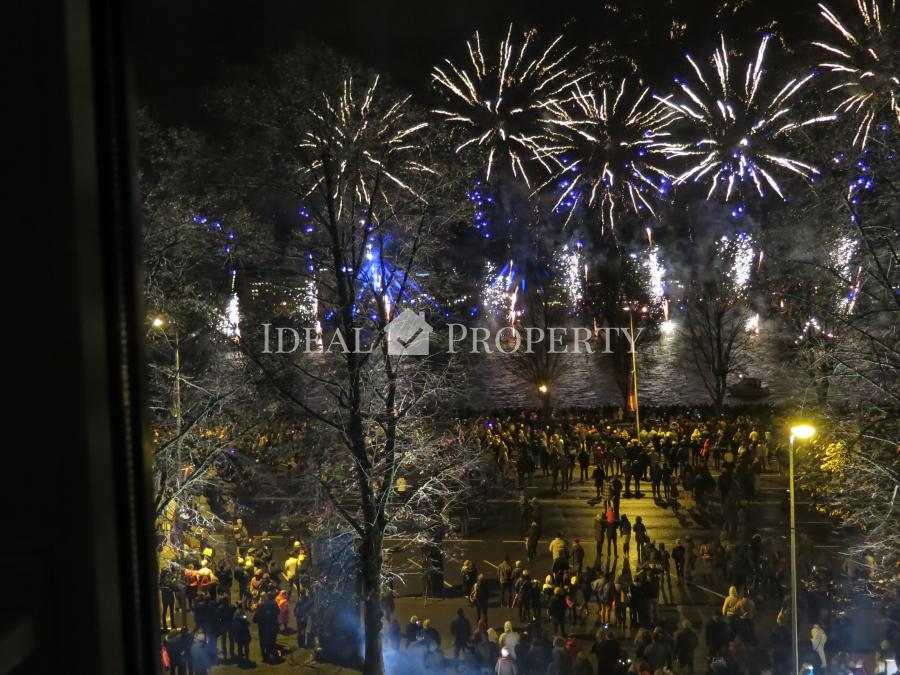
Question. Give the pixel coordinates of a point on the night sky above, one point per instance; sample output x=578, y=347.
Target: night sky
x=182, y=48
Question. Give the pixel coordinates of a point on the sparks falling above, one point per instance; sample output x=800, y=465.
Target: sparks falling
x=607, y=147
x=573, y=270
x=752, y=324
x=230, y=323
x=656, y=273
x=499, y=295
x=738, y=250
x=865, y=66
x=739, y=125
x=497, y=104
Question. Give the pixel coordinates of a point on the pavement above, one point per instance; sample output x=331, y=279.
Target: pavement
x=486, y=542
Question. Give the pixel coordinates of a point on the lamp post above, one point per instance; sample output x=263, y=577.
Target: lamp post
x=159, y=322
x=801, y=431
x=544, y=395
x=637, y=407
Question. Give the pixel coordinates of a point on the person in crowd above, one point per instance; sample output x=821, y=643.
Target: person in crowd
x=283, y=604
x=560, y=659
x=505, y=577
x=640, y=537
x=240, y=628
x=678, y=557
x=200, y=656
x=480, y=597
x=599, y=535
x=531, y=541
x=469, y=574
x=612, y=532
x=167, y=599
x=225, y=614
x=303, y=612
x=510, y=638
x=818, y=639
x=577, y=556
x=558, y=611
x=558, y=546
x=430, y=633
x=461, y=630
x=686, y=643
x=178, y=644
x=266, y=617
x=506, y=664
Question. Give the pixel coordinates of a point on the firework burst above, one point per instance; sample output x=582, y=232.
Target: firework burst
x=739, y=125
x=498, y=104
x=604, y=143
x=866, y=66
x=359, y=137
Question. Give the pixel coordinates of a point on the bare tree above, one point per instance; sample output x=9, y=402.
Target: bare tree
x=200, y=402
x=851, y=266
x=538, y=363
x=617, y=288
x=356, y=157
x=716, y=325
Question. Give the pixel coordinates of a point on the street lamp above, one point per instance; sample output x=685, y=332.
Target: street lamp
x=802, y=432
x=544, y=396
x=159, y=322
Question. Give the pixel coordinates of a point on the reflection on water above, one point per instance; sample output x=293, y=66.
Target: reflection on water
x=667, y=375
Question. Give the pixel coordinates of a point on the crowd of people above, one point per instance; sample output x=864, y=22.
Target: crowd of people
x=615, y=592
x=228, y=593
x=597, y=612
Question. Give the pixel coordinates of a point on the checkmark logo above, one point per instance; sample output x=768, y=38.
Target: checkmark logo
x=411, y=339
x=408, y=334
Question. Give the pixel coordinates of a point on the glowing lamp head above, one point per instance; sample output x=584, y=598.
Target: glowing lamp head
x=158, y=322
x=543, y=388
x=802, y=431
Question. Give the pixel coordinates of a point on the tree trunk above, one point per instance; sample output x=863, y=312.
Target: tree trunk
x=545, y=409
x=370, y=562
x=822, y=385
x=719, y=400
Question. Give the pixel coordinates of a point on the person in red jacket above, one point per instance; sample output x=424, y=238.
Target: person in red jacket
x=191, y=582
x=283, y=612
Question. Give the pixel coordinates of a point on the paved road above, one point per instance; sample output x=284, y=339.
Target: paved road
x=570, y=513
